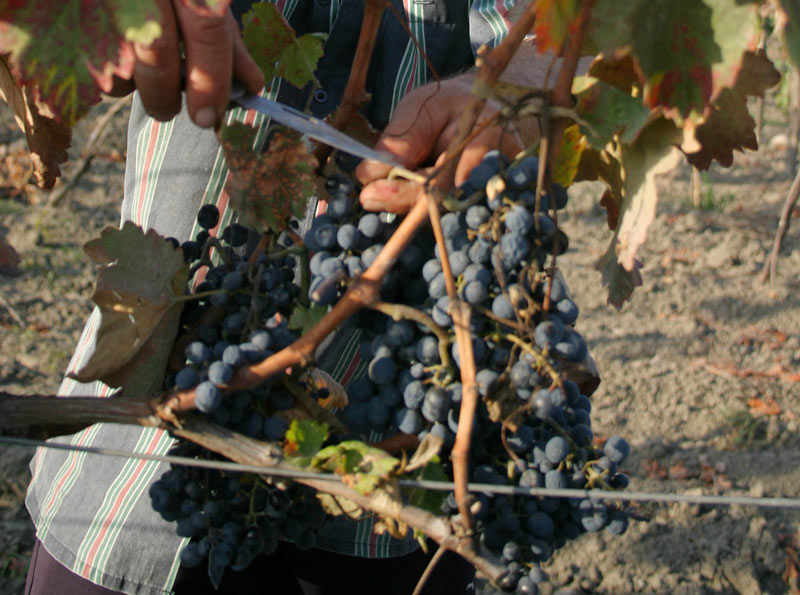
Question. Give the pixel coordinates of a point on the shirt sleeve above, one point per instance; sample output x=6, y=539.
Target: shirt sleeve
x=489, y=22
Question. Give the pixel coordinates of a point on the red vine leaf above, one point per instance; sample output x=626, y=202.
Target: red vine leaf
x=729, y=125
x=554, y=19
x=71, y=48
x=267, y=188
x=688, y=51
x=48, y=139
x=140, y=279
x=276, y=49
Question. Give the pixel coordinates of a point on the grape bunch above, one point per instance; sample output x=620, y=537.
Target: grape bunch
x=238, y=318
x=522, y=327
x=533, y=424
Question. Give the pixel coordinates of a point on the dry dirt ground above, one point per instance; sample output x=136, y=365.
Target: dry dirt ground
x=697, y=367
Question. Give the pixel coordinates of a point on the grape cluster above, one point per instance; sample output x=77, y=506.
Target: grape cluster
x=231, y=518
x=532, y=427
x=497, y=244
x=238, y=318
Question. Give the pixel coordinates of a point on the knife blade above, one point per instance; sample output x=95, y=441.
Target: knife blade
x=306, y=124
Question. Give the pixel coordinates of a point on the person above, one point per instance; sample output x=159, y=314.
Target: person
x=96, y=530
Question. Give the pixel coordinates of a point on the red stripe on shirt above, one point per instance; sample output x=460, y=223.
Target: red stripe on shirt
x=133, y=480
x=148, y=163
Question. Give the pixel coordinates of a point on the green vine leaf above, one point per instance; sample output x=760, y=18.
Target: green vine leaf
x=70, y=49
x=304, y=438
x=276, y=49
x=267, y=188
x=361, y=466
x=139, y=285
x=430, y=500
x=303, y=319
x=609, y=111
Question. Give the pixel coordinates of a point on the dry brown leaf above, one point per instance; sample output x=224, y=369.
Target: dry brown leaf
x=48, y=139
x=759, y=406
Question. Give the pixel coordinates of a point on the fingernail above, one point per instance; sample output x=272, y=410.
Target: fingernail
x=372, y=204
x=205, y=117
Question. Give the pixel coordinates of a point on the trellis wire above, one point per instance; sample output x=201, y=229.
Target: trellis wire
x=762, y=502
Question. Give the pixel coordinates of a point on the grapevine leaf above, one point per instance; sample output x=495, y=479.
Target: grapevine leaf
x=600, y=165
x=729, y=127
x=303, y=318
x=737, y=28
x=71, y=48
x=609, y=111
x=48, y=139
x=789, y=28
x=276, y=50
x=554, y=19
x=266, y=35
x=362, y=467
x=620, y=282
x=139, y=284
x=618, y=72
x=674, y=43
x=427, y=450
x=569, y=156
x=609, y=31
x=266, y=189
x=654, y=152
x=299, y=60
x=338, y=506
x=304, y=438
x=430, y=500
x=757, y=74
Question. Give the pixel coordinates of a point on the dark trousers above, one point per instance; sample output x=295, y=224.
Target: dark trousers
x=287, y=571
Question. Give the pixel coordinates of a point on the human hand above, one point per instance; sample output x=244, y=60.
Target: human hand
x=422, y=126
x=215, y=54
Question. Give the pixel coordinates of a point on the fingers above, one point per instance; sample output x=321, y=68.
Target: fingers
x=214, y=52
x=157, y=71
x=410, y=137
x=422, y=127
x=208, y=43
x=392, y=196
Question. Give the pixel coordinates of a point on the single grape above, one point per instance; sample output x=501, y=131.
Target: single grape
x=208, y=216
x=207, y=396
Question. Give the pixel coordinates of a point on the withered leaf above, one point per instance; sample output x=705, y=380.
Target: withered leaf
x=140, y=281
x=267, y=188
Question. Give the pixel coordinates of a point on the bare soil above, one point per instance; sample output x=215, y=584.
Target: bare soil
x=696, y=369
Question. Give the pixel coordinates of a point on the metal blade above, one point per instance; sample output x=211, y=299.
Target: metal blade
x=305, y=124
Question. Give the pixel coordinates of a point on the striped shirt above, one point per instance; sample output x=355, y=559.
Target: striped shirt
x=93, y=513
